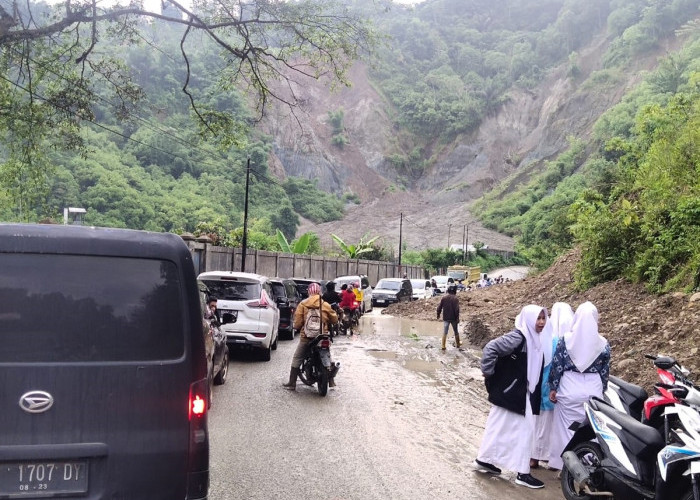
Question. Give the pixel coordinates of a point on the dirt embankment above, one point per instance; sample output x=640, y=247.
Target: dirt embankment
x=634, y=321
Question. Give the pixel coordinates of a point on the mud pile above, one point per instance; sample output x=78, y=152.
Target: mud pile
x=634, y=321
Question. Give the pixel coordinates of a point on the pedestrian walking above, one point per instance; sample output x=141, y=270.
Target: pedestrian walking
x=449, y=307
x=512, y=368
x=580, y=369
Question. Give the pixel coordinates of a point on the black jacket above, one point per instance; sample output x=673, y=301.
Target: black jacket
x=449, y=306
x=507, y=384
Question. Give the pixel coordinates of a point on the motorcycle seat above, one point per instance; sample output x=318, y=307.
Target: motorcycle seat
x=648, y=440
x=636, y=392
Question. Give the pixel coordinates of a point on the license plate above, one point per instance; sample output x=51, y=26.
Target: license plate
x=43, y=479
x=380, y=301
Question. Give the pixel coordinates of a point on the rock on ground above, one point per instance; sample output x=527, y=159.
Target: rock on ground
x=634, y=321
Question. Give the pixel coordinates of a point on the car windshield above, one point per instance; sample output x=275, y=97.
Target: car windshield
x=417, y=284
x=389, y=285
x=79, y=308
x=345, y=281
x=440, y=279
x=230, y=290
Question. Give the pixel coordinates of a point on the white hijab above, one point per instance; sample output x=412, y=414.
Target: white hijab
x=526, y=323
x=561, y=320
x=583, y=343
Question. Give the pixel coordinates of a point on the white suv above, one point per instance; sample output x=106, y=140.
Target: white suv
x=249, y=315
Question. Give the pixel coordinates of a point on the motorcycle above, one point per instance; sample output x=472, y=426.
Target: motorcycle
x=317, y=367
x=673, y=387
x=614, y=455
x=350, y=319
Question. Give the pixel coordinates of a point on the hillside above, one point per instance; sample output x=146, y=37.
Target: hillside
x=634, y=321
x=532, y=127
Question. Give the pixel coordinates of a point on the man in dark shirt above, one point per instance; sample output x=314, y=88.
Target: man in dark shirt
x=449, y=307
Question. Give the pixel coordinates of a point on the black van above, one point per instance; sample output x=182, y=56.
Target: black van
x=102, y=366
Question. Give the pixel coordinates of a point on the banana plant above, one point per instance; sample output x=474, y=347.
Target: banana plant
x=299, y=246
x=354, y=251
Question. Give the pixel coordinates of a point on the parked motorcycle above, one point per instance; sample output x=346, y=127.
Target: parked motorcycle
x=673, y=387
x=615, y=455
x=317, y=367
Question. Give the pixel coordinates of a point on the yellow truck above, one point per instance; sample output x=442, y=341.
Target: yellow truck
x=464, y=274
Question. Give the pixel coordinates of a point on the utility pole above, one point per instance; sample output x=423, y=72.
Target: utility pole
x=449, y=228
x=464, y=242
x=245, y=217
x=400, y=238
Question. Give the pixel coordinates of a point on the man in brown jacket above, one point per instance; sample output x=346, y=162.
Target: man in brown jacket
x=449, y=307
x=329, y=317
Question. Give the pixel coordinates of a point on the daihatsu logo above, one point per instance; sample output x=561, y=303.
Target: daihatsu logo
x=36, y=401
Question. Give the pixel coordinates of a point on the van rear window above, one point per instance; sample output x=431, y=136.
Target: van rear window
x=67, y=308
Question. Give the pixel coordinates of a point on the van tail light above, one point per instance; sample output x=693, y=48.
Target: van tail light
x=198, y=459
x=262, y=303
x=325, y=344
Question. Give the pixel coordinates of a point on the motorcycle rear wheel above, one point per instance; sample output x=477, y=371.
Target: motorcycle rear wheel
x=590, y=455
x=323, y=382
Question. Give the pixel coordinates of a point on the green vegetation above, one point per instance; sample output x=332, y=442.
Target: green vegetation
x=633, y=204
x=354, y=251
x=336, y=119
x=434, y=259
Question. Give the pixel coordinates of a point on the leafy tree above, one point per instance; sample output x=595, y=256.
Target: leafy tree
x=300, y=246
x=62, y=66
x=355, y=251
x=286, y=221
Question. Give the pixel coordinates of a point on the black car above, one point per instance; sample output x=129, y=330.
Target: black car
x=287, y=297
x=103, y=365
x=214, y=341
x=392, y=290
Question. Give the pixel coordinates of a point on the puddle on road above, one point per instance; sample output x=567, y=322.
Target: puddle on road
x=415, y=346
x=385, y=325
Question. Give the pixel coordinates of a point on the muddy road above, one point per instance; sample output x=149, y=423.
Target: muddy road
x=405, y=422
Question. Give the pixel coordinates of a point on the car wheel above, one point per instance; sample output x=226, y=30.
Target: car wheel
x=266, y=354
x=220, y=378
x=274, y=344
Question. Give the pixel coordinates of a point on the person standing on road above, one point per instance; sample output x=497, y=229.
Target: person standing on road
x=449, y=307
x=580, y=369
x=559, y=323
x=512, y=368
x=328, y=318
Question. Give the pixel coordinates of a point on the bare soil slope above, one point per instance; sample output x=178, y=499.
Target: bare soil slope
x=634, y=321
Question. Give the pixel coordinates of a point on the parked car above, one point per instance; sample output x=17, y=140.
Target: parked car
x=214, y=341
x=364, y=285
x=249, y=315
x=421, y=289
x=392, y=290
x=103, y=365
x=287, y=298
x=442, y=283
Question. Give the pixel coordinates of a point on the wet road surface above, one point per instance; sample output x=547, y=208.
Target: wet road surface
x=405, y=422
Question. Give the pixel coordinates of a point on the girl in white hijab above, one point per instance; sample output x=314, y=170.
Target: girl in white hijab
x=559, y=323
x=512, y=368
x=580, y=369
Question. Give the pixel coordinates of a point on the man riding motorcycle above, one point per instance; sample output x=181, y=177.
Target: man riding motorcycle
x=329, y=317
